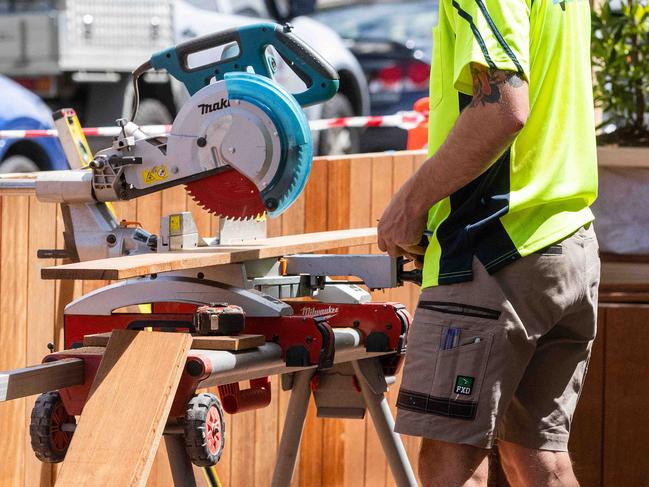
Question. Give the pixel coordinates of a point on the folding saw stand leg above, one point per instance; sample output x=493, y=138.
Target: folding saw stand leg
x=373, y=388
x=293, y=426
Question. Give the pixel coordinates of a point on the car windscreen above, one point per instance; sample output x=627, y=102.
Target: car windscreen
x=407, y=22
x=15, y=6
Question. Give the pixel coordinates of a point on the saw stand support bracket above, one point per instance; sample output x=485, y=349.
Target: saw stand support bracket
x=373, y=388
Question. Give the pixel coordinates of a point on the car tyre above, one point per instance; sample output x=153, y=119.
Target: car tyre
x=152, y=112
x=18, y=164
x=343, y=140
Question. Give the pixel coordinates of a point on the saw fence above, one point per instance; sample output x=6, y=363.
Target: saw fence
x=610, y=427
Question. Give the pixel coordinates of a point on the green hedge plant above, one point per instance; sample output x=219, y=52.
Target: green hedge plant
x=620, y=48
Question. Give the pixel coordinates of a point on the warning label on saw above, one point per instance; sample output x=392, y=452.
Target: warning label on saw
x=155, y=174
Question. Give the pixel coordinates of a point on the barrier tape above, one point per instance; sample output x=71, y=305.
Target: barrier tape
x=402, y=120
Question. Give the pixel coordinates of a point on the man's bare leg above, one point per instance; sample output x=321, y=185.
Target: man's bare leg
x=452, y=465
x=530, y=467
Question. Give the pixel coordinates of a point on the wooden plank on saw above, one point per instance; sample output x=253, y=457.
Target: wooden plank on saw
x=140, y=265
x=229, y=343
x=40, y=378
x=122, y=423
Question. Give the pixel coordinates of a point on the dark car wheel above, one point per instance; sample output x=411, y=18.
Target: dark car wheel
x=18, y=164
x=342, y=140
x=152, y=112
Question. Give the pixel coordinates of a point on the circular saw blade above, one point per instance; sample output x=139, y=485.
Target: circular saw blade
x=228, y=194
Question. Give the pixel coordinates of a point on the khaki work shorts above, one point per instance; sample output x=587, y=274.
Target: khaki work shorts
x=505, y=355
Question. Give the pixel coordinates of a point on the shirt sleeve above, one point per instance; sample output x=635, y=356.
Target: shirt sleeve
x=494, y=33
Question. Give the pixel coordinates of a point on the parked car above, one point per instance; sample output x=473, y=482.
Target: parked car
x=20, y=109
x=393, y=42
x=80, y=53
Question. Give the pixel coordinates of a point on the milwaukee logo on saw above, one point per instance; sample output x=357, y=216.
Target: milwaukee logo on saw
x=312, y=312
x=212, y=107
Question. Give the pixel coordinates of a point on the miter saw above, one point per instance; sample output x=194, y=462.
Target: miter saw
x=241, y=145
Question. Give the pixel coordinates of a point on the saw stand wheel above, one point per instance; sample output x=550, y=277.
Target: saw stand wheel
x=204, y=427
x=51, y=428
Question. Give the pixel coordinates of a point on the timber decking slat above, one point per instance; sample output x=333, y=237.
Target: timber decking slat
x=121, y=426
x=37, y=379
x=138, y=265
x=229, y=343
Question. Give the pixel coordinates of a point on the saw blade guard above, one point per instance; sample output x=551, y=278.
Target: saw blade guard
x=293, y=130
x=249, y=125
x=279, y=184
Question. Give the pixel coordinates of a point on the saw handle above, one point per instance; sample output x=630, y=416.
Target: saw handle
x=320, y=78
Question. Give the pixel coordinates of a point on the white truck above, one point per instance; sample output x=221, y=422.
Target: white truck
x=80, y=53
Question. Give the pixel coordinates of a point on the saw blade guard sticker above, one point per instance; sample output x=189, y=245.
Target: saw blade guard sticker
x=293, y=128
x=155, y=175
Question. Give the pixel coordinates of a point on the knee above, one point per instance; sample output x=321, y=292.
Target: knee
x=442, y=463
x=530, y=467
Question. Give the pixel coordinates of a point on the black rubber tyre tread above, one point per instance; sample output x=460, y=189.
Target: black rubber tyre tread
x=18, y=163
x=152, y=112
x=39, y=428
x=194, y=426
x=338, y=107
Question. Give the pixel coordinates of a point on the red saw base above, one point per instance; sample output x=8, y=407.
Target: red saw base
x=228, y=194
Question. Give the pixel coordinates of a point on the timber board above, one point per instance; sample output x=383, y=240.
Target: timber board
x=118, y=433
x=144, y=264
x=227, y=343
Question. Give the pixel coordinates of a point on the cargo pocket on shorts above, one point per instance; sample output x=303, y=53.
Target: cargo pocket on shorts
x=459, y=375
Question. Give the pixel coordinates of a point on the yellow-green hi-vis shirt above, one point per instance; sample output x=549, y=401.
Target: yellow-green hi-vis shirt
x=539, y=191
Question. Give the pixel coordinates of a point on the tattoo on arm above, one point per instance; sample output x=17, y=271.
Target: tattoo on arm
x=487, y=83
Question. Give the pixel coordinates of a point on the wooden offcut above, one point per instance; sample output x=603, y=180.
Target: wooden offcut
x=121, y=425
x=40, y=378
x=154, y=263
x=229, y=343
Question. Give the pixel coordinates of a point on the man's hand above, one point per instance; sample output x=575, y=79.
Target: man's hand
x=481, y=133
x=402, y=226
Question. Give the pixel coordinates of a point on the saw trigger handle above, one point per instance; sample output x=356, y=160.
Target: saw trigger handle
x=251, y=42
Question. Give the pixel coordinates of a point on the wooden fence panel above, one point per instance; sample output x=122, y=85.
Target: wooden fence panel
x=350, y=192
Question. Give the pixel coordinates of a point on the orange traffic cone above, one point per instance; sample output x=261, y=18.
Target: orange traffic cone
x=418, y=136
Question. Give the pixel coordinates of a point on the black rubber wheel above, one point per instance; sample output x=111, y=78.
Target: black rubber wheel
x=204, y=430
x=152, y=112
x=280, y=10
x=18, y=164
x=49, y=442
x=343, y=140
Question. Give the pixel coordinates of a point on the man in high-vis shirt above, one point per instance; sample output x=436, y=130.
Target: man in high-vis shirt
x=502, y=334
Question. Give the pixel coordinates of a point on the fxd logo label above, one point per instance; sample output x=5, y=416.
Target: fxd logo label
x=464, y=385
x=213, y=107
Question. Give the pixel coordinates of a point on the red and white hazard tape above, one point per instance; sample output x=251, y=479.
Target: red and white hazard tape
x=403, y=120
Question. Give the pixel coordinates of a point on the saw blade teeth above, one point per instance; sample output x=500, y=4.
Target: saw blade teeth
x=228, y=195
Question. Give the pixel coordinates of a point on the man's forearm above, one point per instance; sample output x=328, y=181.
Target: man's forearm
x=481, y=134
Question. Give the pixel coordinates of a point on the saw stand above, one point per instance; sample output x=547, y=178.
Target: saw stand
x=373, y=386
